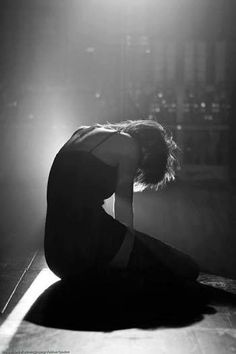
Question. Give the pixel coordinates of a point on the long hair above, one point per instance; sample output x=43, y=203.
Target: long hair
x=158, y=152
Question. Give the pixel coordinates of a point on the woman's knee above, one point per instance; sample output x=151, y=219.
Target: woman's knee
x=191, y=271
x=180, y=264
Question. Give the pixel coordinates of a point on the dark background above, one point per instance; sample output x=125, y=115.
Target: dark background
x=66, y=63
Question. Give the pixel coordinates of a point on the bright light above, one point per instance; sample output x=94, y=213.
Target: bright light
x=13, y=321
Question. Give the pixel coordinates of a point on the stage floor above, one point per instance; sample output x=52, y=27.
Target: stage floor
x=173, y=320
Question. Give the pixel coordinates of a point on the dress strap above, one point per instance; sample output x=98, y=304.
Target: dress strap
x=102, y=141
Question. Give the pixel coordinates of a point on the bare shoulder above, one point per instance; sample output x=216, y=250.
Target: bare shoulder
x=114, y=148
x=126, y=146
x=121, y=143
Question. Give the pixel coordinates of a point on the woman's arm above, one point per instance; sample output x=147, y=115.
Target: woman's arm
x=123, y=205
x=128, y=164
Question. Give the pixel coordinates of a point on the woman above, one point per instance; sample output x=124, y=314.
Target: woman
x=97, y=162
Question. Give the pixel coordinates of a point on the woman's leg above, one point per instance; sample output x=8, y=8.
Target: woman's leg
x=150, y=252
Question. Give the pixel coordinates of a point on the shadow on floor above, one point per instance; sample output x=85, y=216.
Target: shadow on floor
x=113, y=304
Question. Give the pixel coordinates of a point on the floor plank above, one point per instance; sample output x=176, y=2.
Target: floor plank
x=12, y=271
x=217, y=342
x=130, y=341
x=17, y=282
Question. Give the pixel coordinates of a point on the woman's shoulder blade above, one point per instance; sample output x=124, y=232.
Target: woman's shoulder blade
x=127, y=144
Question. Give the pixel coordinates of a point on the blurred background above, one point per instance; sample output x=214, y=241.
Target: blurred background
x=67, y=63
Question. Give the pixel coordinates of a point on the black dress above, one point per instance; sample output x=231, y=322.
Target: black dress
x=79, y=234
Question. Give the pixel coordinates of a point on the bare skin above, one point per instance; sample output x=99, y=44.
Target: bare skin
x=121, y=150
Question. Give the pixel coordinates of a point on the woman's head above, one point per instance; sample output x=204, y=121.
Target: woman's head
x=157, y=152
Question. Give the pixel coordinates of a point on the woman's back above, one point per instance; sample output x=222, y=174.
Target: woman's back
x=78, y=183
x=79, y=175
x=97, y=140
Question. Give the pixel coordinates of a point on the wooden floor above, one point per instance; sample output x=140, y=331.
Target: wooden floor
x=171, y=318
